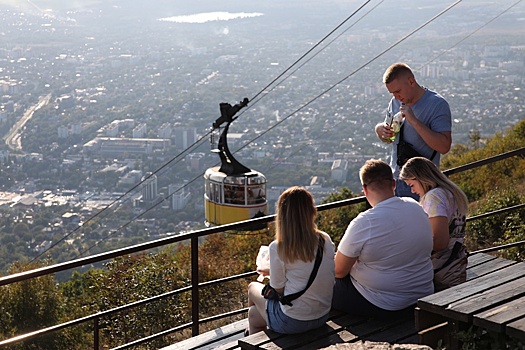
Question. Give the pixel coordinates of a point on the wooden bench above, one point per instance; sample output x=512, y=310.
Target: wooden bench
x=493, y=298
x=476, y=301
x=340, y=328
x=433, y=318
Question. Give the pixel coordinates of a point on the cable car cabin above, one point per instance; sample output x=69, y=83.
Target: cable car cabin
x=232, y=198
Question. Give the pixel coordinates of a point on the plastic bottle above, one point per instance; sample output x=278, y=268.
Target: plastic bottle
x=397, y=122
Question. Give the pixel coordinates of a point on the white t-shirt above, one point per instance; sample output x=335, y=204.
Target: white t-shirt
x=393, y=243
x=293, y=277
x=440, y=202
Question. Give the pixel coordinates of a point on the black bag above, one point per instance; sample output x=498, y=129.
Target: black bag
x=269, y=292
x=405, y=150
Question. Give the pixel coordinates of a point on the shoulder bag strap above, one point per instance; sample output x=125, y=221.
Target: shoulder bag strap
x=286, y=299
x=401, y=140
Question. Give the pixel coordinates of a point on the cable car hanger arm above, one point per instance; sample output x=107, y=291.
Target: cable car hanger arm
x=228, y=111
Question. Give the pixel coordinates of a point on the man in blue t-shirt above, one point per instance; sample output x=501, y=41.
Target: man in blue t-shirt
x=427, y=120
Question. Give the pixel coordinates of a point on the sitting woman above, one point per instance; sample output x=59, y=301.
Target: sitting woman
x=447, y=207
x=292, y=257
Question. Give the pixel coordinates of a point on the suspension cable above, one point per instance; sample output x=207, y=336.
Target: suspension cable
x=276, y=124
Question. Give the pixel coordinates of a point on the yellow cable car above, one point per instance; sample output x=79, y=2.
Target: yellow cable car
x=233, y=192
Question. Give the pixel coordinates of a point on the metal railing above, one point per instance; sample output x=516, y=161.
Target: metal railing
x=195, y=285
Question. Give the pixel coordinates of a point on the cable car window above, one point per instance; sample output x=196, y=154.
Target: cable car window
x=256, y=180
x=217, y=193
x=256, y=194
x=213, y=191
x=234, y=194
x=207, y=189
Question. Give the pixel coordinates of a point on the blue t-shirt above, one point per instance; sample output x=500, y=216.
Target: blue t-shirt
x=433, y=111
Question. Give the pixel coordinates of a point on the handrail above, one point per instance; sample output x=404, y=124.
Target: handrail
x=485, y=161
x=47, y=270
x=193, y=237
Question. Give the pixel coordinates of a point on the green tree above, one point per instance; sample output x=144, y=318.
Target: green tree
x=31, y=305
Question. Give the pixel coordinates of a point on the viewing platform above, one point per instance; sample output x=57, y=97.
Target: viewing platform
x=493, y=298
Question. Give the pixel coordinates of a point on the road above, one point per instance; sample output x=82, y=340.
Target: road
x=13, y=138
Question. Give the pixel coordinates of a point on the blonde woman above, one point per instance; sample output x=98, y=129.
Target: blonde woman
x=447, y=207
x=292, y=257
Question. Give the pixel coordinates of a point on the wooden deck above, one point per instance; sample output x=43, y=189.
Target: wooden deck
x=493, y=298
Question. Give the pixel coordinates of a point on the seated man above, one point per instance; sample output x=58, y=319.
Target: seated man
x=383, y=264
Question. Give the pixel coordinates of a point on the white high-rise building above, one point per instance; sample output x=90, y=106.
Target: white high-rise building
x=149, y=188
x=179, y=196
x=184, y=136
x=139, y=131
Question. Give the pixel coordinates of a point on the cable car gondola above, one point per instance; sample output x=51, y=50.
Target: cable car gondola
x=233, y=192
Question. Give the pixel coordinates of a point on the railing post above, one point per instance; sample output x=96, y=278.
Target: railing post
x=195, y=286
x=96, y=334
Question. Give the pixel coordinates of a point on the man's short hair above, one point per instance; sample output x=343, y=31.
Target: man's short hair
x=377, y=172
x=395, y=71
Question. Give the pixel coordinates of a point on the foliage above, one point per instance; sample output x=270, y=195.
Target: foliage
x=31, y=305
x=335, y=221
x=495, y=176
x=499, y=229
x=476, y=338
x=491, y=187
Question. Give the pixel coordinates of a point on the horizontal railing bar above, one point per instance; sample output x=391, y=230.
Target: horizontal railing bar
x=227, y=279
x=45, y=330
x=226, y=314
x=485, y=161
x=495, y=212
x=493, y=249
x=121, y=308
x=187, y=325
x=46, y=270
x=92, y=317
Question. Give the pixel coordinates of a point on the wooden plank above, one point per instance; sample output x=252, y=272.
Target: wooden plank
x=395, y=332
x=383, y=330
x=431, y=336
x=340, y=337
x=225, y=344
x=297, y=340
x=438, y=302
x=373, y=326
x=231, y=332
x=234, y=345
x=488, y=267
x=496, y=319
x=516, y=329
x=464, y=309
x=477, y=259
x=255, y=341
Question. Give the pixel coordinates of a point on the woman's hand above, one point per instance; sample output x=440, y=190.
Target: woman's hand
x=264, y=272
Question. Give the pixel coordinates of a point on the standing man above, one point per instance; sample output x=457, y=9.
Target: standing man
x=382, y=264
x=428, y=120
